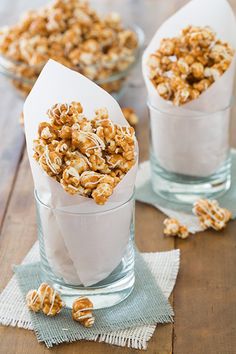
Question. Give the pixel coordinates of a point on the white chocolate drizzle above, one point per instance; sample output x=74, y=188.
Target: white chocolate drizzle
x=49, y=163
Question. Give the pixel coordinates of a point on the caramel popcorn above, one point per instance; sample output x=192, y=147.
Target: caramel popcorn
x=174, y=228
x=82, y=311
x=130, y=115
x=44, y=299
x=72, y=33
x=87, y=157
x=185, y=66
x=51, y=302
x=211, y=215
x=33, y=301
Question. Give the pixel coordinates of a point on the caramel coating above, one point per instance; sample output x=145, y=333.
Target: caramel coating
x=183, y=67
x=51, y=303
x=211, y=215
x=82, y=312
x=174, y=228
x=87, y=157
x=45, y=299
x=72, y=33
x=33, y=301
x=130, y=116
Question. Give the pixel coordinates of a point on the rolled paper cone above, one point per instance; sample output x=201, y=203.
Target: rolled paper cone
x=58, y=84
x=181, y=142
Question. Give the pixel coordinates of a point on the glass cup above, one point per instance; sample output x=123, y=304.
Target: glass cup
x=104, y=249
x=190, y=155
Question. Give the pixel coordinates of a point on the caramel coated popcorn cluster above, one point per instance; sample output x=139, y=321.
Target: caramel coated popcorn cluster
x=185, y=66
x=72, y=33
x=211, y=215
x=88, y=157
x=45, y=299
x=82, y=312
x=130, y=116
x=174, y=228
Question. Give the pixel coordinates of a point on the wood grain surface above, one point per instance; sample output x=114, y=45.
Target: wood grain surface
x=205, y=294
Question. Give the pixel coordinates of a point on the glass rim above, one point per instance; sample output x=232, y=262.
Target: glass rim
x=4, y=70
x=44, y=205
x=197, y=114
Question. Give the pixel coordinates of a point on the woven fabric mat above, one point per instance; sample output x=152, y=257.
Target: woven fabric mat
x=164, y=268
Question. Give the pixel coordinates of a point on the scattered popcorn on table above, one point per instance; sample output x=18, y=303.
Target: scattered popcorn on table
x=88, y=157
x=174, y=228
x=211, y=215
x=72, y=33
x=130, y=116
x=45, y=299
x=185, y=66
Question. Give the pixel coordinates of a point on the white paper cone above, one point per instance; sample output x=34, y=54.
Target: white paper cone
x=58, y=84
x=55, y=248
x=219, y=16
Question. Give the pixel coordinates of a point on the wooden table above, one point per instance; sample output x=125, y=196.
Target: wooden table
x=204, y=298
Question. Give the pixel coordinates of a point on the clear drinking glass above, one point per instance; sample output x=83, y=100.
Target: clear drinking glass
x=57, y=265
x=190, y=155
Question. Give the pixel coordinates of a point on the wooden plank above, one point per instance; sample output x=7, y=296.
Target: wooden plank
x=19, y=231
x=12, y=137
x=204, y=298
x=12, y=142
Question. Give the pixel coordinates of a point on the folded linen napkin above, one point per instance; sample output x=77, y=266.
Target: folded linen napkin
x=164, y=267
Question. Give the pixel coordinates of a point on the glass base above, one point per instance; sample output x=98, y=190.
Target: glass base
x=184, y=189
x=109, y=292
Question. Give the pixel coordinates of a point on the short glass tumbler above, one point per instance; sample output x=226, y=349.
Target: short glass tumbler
x=190, y=154
x=112, y=261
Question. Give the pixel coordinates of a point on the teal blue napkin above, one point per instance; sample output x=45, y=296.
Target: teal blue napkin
x=145, y=306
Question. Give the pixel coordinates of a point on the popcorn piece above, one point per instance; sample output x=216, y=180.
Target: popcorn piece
x=90, y=180
x=73, y=34
x=197, y=70
x=164, y=90
x=88, y=158
x=102, y=193
x=71, y=176
x=45, y=299
x=185, y=66
x=82, y=312
x=33, y=301
x=130, y=115
x=167, y=47
x=174, y=228
x=51, y=303
x=98, y=163
x=87, y=143
x=211, y=215
x=60, y=114
x=46, y=132
x=51, y=162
